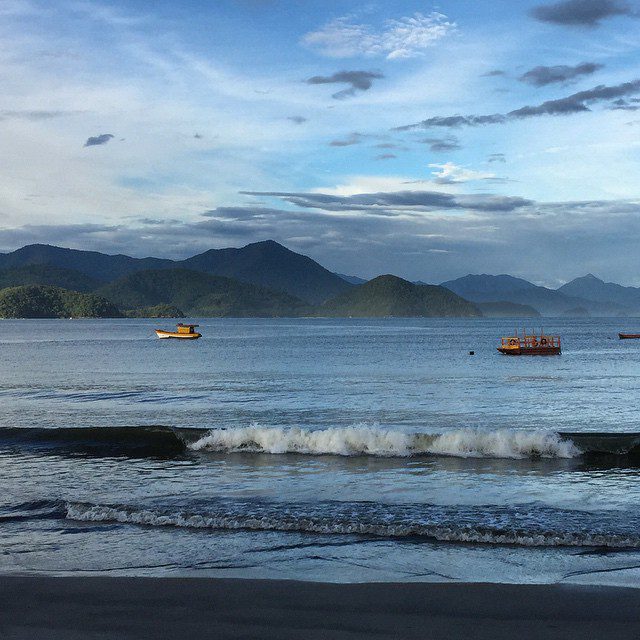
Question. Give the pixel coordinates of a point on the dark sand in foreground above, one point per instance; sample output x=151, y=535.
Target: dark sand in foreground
x=193, y=608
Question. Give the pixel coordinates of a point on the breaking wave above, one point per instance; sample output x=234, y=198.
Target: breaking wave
x=359, y=440
x=376, y=441
x=529, y=526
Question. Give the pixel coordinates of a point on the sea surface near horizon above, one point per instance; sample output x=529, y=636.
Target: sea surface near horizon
x=333, y=450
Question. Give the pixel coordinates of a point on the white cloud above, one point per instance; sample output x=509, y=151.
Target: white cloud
x=406, y=37
x=450, y=173
x=356, y=184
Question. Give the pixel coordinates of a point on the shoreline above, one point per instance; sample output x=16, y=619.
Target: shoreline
x=61, y=608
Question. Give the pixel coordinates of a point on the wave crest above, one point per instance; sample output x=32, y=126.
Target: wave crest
x=342, y=523
x=376, y=441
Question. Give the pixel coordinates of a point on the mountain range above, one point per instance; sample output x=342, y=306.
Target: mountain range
x=263, y=279
x=583, y=296
x=266, y=264
x=267, y=279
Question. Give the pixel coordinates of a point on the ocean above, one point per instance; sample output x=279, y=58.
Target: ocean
x=312, y=449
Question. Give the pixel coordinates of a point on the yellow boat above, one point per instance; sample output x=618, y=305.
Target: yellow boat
x=184, y=332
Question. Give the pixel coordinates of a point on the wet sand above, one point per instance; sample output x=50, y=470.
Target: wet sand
x=73, y=608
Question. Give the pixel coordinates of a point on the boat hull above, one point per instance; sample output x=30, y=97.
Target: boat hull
x=628, y=336
x=179, y=336
x=530, y=351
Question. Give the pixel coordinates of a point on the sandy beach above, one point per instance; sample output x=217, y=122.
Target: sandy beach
x=99, y=607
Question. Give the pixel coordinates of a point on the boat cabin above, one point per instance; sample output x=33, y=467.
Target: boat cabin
x=186, y=328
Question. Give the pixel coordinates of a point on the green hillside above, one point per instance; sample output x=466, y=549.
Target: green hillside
x=199, y=294
x=37, y=301
x=157, y=311
x=392, y=296
x=47, y=275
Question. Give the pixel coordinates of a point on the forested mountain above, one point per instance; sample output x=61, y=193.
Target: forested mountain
x=37, y=301
x=389, y=295
x=199, y=294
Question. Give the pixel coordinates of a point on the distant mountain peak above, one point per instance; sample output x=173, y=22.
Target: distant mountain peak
x=269, y=242
x=591, y=288
x=270, y=264
x=269, y=245
x=388, y=277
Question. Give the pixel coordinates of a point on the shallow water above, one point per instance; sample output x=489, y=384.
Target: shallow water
x=337, y=450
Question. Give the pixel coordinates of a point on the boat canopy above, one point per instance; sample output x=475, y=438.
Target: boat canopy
x=186, y=328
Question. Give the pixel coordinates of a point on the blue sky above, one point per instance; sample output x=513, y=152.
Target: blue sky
x=425, y=139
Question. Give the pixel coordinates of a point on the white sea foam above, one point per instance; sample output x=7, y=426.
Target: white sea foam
x=445, y=533
x=503, y=443
x=377, y=441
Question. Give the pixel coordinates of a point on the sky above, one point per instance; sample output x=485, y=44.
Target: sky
x=429, y=140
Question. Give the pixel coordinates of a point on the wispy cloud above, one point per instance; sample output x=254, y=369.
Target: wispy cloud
x=405, y=37
x=18, y=8
x=353, y=138
x=439, y=145
x=450, y=173
x=357, y=81
x=34, y=114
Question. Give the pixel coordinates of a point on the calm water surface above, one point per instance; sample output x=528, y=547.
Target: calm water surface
x=340, y=450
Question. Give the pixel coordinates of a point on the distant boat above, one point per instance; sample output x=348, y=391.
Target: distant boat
x=628, y=336
x=530, y=345
x=184, y=332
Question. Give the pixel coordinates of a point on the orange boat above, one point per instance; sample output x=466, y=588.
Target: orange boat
x=184, y=332
x=530, y=345
x=628, y=336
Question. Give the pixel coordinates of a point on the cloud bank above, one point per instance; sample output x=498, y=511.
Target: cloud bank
x=575, y=103
x=427, y=235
